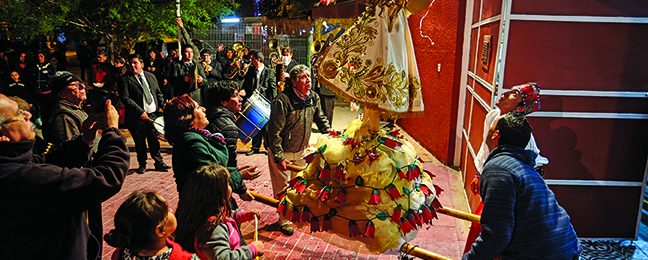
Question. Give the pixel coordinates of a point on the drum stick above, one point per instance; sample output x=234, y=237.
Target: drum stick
x=153, y=122
x=256, y=230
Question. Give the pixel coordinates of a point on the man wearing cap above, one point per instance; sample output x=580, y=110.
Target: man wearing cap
x=142, y=100
x=51, y=205
x=65, y=121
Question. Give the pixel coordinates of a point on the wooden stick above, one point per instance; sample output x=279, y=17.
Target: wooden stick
x=421, y=253
x=459, y=214
x=256, y=231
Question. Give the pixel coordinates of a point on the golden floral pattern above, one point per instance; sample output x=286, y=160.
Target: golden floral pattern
x=362, y=65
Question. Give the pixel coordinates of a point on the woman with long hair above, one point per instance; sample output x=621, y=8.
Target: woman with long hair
x=207, y=225
x=194, y=146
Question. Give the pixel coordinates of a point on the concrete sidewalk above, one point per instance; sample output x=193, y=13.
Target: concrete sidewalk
x=447, y=236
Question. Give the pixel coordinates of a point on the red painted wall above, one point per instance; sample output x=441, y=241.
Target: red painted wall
x=444, y=23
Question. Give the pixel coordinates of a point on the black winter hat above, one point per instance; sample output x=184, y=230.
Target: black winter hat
x=62, y=79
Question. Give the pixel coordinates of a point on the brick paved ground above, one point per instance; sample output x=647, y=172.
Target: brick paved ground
x=446, y=237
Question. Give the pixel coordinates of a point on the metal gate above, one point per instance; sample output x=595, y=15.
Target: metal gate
x=255, y=36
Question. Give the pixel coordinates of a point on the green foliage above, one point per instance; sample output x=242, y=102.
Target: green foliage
x=121, y=22
x=31, y=19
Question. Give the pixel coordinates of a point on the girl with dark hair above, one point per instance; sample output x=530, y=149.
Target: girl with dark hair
x=194, y=146
x=207, y=225
x=143, y=225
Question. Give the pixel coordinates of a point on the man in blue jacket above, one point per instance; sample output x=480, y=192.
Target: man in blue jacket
x=49, y=203
x=521, y=217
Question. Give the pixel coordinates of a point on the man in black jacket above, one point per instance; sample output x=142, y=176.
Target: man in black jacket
x=49, y=202
x=259, y=79
x=222, y=117
x=142, y=100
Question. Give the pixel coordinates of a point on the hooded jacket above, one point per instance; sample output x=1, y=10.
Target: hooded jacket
x=47, y=201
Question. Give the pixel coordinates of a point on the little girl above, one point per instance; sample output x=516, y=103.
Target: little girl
x=143, y=225
x=207, y=225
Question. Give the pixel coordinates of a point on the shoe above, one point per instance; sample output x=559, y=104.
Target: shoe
x=251, y=152
x=287, y=228
x=162, y=167
x=141, y=169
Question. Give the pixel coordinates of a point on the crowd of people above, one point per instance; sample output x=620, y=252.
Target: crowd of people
x=54, y=199
x=48, y=114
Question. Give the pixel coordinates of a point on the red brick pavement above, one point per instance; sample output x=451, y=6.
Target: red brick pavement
x=446, y=237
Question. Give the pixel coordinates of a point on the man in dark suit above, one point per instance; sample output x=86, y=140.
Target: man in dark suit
x=142, y=99
x=261, y=79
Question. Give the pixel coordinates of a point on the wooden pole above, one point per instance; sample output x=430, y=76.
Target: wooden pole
x=179, y=31
x=405, y=248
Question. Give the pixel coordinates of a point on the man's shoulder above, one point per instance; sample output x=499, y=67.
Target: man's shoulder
x=283, y=96
x=502, y=162
x=506, y=163
x=127, y=75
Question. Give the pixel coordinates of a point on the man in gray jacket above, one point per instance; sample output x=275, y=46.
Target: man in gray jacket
x=292, y=115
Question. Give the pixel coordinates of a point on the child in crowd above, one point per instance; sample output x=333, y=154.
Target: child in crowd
x=206, y=221
x=143, y=225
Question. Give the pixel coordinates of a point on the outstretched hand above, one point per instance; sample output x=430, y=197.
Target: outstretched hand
x=283, y=165
x=179, y=22
x=249, y=172
x=247, y=196
x=248, y=216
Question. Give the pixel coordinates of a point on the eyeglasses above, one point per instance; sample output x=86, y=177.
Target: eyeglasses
x=77, y=86
x=21, y=115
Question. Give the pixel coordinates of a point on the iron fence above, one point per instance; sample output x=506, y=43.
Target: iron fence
x=255, y=36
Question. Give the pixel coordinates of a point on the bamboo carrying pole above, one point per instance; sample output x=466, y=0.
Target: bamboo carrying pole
x=406, y=248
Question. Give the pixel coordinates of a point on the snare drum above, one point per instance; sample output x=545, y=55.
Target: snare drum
x=253, y=117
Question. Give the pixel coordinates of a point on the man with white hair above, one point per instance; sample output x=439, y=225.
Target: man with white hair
x=293, y=113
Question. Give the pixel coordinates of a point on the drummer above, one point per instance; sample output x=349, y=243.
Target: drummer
x=224, y=101
x=260, y=79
